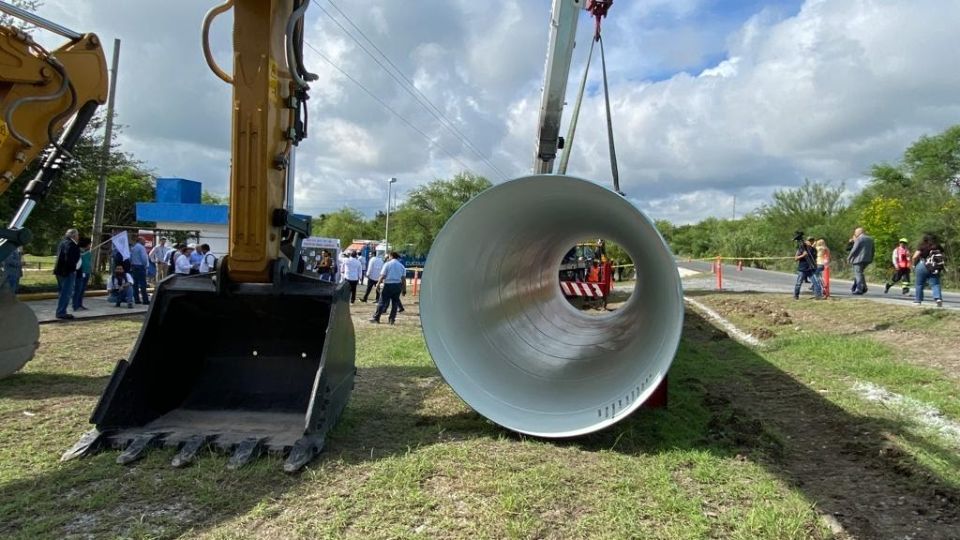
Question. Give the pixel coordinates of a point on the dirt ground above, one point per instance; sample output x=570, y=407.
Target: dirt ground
x=925, y=337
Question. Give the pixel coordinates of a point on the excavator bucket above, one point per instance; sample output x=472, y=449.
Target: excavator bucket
x=244, y=368
x=19, y=333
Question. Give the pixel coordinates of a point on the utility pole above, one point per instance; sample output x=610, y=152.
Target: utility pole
x=734, y=207
x=386, y=232
x=105, y=158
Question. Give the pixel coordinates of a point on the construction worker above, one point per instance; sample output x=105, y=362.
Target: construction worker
x=901, y=267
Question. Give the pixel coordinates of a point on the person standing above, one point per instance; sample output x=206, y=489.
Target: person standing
x=325, y=266
x=209, y=261
x=823, y=262
x=171, y=259
x=13, y=269
x=861, y=255
x=352, y=272
x=929, y=259
x=901, y=267
x=68, y=259
x=83, y=274
x=195, y=258
x=806, y=258
x=374, y=268
x=139, y=260
x=158, y=256
x=182, y=261
x=392, y=277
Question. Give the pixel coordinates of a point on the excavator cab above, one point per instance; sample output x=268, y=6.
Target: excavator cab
x=257, y=356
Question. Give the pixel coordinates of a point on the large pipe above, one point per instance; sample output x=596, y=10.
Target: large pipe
x=503, y=336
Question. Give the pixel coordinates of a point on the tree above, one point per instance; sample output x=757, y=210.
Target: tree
x=212, y=198
x=71, y=201
x=418, y=220
x=27, y=5
x=346, y=224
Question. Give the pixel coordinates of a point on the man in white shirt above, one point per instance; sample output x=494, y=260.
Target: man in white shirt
x=183, y=265
x=209, y=261
x=352, y=272
x=121, y=285
x=373, y=275
x=392, y=276
x=158, y=256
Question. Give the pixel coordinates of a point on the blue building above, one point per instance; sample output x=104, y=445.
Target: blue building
x=178, y=208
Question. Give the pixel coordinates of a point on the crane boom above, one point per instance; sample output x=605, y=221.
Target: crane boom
x=563, y=31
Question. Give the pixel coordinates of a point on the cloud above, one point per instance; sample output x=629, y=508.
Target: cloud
x=709, y=100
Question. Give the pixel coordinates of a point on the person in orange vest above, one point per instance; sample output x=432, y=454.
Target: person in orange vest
x=901, y=267
x=594, y=275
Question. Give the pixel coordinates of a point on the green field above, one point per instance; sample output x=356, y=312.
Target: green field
x=768, y=442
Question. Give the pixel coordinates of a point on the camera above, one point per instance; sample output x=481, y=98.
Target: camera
x=798, y=237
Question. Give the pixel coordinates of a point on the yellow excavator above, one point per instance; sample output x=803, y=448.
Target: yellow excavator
x=275, y=365
x=40, y=92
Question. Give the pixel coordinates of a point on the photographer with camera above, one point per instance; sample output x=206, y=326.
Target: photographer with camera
x=806, y=258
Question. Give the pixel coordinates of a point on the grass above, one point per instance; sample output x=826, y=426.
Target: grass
x=410, y=460
x=834, y=345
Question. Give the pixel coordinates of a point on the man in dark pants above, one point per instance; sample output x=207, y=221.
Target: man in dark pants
x=861, y=255
x=392, y=277
x=374, y=267
x=139, y=261
x=806, y=258
x=68, y=257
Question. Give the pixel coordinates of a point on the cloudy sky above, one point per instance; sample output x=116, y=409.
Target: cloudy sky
x=712, y=99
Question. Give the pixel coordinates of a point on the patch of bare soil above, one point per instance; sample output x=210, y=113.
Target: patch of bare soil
x=361, y=311
x=844, y=463
x=920, y=337
x=761, y=317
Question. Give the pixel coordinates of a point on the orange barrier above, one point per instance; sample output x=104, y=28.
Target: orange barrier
x=826, y=282
x=416, y=282
x=719, y=274
x=740, y=265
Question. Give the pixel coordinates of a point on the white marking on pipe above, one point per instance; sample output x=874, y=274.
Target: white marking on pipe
x=922, y=413
x=737, y=334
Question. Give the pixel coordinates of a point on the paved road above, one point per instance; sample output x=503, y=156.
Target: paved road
x=46, y=310
x=752, y=279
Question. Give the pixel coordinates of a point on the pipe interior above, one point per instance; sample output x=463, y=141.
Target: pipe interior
x=504, y=337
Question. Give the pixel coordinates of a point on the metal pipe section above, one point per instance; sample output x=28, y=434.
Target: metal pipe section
x=506, y=340
x=38, y=21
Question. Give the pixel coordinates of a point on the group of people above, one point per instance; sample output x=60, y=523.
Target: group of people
x=927, y=263
x=128, y=281
x=72, y=269
x=386, y=278
x=129, y=275
x=182, y=259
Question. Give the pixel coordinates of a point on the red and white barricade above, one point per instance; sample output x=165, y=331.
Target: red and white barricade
x=582, y=288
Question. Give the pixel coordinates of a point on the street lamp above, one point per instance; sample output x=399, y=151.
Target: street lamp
x=386, y=233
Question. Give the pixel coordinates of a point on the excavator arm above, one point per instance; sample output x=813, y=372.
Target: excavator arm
x=40, y=92
x=275, y=367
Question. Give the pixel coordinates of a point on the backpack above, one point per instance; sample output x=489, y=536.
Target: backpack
x=210, y=266
x=934, y=261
